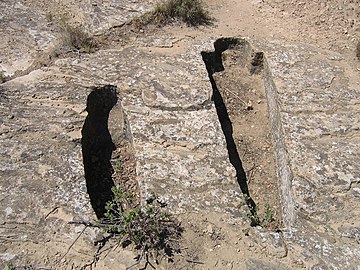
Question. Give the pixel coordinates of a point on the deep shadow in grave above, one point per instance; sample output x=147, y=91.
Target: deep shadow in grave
x=213, y=62
x=97, y=147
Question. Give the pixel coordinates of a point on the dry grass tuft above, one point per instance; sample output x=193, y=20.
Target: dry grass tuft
x=190, y=12
x=76, y=38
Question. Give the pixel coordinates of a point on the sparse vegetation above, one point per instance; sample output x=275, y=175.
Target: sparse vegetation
x=268, y=217
x=2, y=76
x=10, y=266
x=152, y=230
x=118, y=167
x=258, y=218
x=76, y=38
x=190, y=12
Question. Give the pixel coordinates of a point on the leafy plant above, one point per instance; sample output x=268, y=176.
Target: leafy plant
x=10, y=266
x=150, y=228
x=265, y=219
x=118, y=167
x=268, y=217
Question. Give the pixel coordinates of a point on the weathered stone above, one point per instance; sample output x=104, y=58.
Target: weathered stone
x=29, y=30
x=22, y=36
x=349, y=231
x=272, y=242
x=100, y=16
x=177, y=139
x=320, y=139
x=166, y=111
x=41, y=167
x=253, y=264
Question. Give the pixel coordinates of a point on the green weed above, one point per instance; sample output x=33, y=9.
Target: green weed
x=268, y=217
x=10, y=266
x=118, y=167
x=150, y=228
x=258, y=218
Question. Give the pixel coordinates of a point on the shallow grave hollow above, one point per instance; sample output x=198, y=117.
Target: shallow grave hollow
x=235, y=71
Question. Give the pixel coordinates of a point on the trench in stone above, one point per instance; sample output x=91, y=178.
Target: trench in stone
x=213, y=63
x=97, y=147
x=238, y=78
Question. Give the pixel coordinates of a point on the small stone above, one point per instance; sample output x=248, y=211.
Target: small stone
x=249, y=106
x=209, y=229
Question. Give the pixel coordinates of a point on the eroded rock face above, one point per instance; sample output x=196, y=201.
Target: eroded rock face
x=41, y=166
x=179, y=146
x=25, y=32
x=317, y=111
x=32, y=30
x=177, y=140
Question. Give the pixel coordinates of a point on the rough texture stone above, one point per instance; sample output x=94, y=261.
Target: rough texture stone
x=29, y=28
x=165, y=108
x=253, y=264
x=316, y=108
x=177, y=139
x=19, y=52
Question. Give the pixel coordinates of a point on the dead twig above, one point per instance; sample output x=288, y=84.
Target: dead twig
x=97, y=254
x=52, y=211
x=87, y=224
x=235, y=95
x=147, y=262
x=72, y=244
x=137, y=261
x=251, y=171
x=111, y=249
x=192, y=261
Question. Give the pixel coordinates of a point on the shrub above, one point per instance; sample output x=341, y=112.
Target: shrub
x=191, y=12
x=264, y=218
x=150, y=228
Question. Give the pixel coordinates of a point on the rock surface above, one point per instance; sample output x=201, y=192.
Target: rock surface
x=165, y=108
x=317, y=108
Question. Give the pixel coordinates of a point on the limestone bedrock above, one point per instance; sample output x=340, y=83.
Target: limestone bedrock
x=165, y=108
